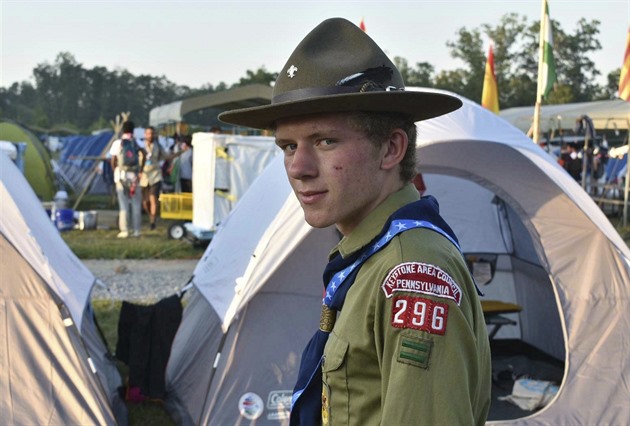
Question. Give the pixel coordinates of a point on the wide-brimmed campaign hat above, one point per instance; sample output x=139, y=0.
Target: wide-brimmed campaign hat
x=337, y=67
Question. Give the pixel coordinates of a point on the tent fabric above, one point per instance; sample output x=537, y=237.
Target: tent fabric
x=558, y=257
x=54, y=367
x=77, y=169
x=613, y=114
x=37, y=168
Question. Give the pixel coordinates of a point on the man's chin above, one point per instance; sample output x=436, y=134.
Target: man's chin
x=317, y=222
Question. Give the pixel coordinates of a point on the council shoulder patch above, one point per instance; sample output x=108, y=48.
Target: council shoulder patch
x=422, y=278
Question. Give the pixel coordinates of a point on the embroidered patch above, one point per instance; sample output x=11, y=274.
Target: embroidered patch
x=416, y=277
x=414, y=351
x=419, y=313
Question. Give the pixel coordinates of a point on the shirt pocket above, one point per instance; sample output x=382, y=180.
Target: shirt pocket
x=335, y=381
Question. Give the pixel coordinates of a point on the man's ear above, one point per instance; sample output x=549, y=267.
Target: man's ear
x=394, y=149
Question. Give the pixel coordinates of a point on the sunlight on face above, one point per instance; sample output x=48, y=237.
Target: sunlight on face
x=333, y=169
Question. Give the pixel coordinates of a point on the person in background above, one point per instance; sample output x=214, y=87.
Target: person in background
x=127, y=161
x=185, y=164
x=402, y=337
x=151, y=178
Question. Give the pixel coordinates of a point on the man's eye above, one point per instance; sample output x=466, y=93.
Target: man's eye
x=327, y=142
x=289, y=147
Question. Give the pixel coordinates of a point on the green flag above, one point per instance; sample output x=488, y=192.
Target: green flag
x=548, y=69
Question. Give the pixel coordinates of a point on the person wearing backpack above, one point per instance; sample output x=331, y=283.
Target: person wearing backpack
x=127, y=160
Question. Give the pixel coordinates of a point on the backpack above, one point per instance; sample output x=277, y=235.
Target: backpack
x=128, y=154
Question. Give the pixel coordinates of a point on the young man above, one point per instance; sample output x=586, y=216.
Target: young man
x=151, y=179
x=127, y=161
x=402, y=338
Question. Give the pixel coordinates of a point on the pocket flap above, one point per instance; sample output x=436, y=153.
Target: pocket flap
x=335, y=353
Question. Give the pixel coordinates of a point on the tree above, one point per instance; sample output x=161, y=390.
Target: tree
x=260, y=76
x=574, y=68
x=420, y=76
x=516, y=61
x=469, y=48
x=611, y=89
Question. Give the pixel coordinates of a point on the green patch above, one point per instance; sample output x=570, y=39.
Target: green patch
x=414, y=351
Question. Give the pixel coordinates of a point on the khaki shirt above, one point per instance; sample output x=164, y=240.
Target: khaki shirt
x=152, y=171
x=409, y=358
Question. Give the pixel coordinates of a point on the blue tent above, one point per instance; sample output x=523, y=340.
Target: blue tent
x=80, y=156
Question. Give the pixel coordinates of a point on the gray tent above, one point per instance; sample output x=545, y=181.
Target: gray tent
x=54, y=367
x=258, y=286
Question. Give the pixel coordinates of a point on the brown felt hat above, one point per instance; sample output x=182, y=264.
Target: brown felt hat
x=337, y=67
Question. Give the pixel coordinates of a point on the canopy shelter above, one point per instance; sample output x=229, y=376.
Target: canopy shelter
x=613, y=114
x=239, y=97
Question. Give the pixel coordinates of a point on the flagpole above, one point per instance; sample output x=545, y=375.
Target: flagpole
x=539, y=88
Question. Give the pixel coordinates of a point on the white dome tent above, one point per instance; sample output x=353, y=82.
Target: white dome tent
x=54, y=366
x=259, y=283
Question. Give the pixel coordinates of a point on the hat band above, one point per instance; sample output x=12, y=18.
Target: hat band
x=312, y=92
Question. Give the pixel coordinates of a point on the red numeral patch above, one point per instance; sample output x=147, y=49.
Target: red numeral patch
x=420, y=314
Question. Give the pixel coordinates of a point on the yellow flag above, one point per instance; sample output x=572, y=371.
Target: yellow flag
x=490, y=94
x=624, y=77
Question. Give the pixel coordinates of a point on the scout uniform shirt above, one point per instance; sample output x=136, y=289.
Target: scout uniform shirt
x=410, y=345
x=152, y=171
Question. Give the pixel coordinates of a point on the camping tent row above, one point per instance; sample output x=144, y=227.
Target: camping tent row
x=54, y=366
x=258, y=285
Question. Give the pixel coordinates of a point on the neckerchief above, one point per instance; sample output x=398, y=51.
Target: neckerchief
x=339, y=276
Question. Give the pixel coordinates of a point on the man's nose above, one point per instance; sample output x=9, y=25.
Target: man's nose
x=302, y=163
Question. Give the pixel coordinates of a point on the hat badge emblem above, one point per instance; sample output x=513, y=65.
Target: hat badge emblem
x=292, y=71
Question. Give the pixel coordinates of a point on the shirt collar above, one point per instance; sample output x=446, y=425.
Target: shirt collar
x=373, y=223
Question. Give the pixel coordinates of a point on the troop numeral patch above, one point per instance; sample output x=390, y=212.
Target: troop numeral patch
x=420, y=314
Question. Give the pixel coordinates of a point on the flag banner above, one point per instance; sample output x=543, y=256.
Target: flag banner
x=490, y=93
x=624, y=77
x=545, y=84
x=362, y=25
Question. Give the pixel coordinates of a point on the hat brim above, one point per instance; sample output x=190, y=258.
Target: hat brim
x=417, y=105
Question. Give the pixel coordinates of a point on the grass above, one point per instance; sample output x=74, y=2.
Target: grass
x=103, y=244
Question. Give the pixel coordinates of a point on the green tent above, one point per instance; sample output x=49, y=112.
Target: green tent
x=37, y=168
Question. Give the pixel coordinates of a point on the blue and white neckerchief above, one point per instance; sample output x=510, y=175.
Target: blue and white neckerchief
x=396, y=227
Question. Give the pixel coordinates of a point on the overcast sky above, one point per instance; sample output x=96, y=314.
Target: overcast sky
x=197, y=42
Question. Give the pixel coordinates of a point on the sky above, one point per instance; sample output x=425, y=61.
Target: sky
x=207, y=42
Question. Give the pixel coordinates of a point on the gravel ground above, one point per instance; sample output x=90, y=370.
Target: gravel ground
x=139, y=281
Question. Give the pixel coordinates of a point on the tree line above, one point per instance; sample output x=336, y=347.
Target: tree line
x=66, y=96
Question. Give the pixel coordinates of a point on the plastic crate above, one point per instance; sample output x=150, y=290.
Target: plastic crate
x=176, y=206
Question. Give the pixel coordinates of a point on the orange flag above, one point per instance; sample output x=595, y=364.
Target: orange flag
x=490, y=93
x=362, y=25
x=624, y=77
